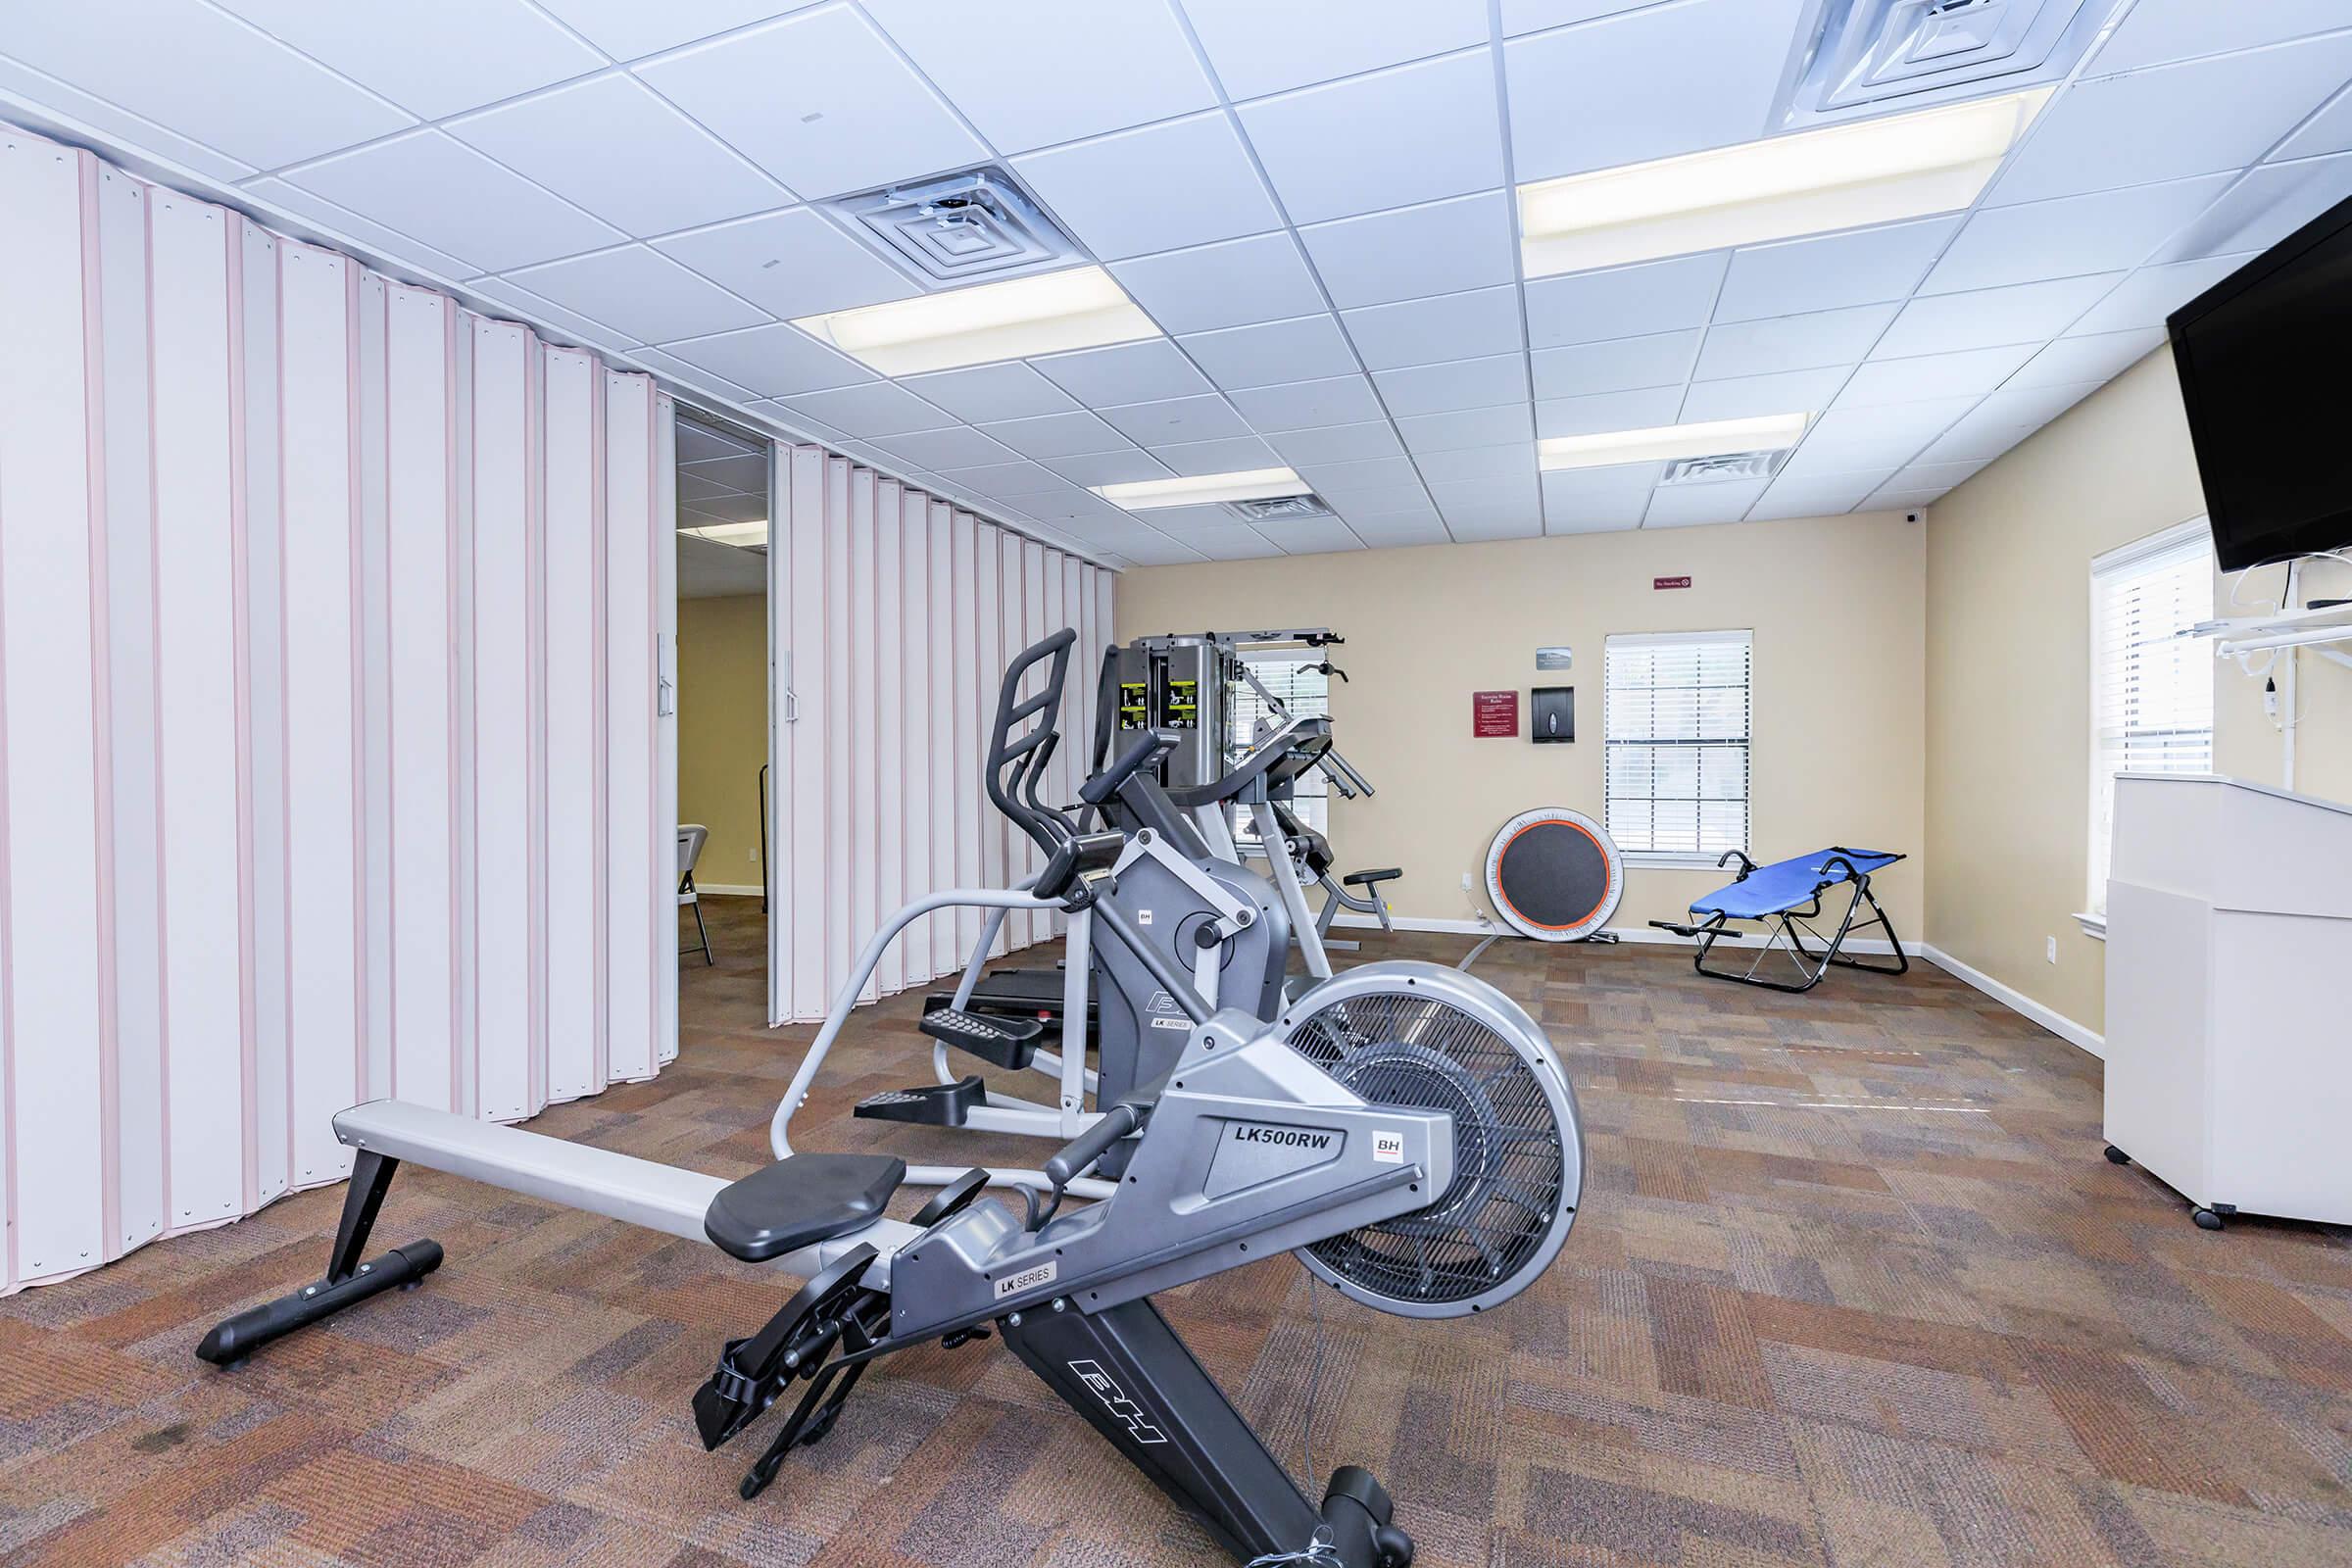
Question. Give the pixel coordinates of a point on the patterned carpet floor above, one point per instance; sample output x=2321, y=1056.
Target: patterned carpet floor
x=1852, y=1286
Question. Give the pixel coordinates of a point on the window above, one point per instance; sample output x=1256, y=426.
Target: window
x=2151, y=687
x=1674, y=739
x=1306, y=691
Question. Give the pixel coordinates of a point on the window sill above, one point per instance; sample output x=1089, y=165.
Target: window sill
x=2094, y=926
x=1662, y=861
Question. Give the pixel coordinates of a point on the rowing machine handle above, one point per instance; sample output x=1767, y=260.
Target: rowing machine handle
x=1090, y=1145
x=1145, y=749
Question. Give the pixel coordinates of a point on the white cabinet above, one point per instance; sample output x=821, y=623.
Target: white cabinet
x=2230, y=993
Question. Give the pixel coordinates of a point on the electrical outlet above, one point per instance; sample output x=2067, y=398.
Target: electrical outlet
x=1465, y=881
x=752, y=855
x=2051, y=948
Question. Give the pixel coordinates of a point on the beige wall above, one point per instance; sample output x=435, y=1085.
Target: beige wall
x=1835, y=605
x=722, y=730
x=2008, y=681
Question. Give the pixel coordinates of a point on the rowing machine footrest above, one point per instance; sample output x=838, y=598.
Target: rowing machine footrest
x=929, y=1105
x=1006, y=1041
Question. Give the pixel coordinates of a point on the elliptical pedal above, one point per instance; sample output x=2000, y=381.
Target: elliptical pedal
x=1006, y=1041
x=926, y=1105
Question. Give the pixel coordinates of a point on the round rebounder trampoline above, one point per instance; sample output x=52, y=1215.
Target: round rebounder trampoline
x=1554, y=874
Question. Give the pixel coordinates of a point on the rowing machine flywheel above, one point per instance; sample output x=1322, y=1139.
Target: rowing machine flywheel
x=1405, y=1032
x=1555, y=874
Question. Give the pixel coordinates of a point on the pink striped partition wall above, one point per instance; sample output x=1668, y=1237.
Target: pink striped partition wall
x=334, y=759
x=893, y=619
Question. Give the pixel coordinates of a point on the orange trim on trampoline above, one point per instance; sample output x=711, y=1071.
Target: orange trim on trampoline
x=1565, y=925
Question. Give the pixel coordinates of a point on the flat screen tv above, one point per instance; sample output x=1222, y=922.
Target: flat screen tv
x=2265, y=358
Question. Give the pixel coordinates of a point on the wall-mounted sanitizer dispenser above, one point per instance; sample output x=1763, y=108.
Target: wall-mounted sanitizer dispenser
x=1553, y=718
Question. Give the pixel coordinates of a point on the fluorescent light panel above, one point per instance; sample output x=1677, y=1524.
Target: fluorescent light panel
x=1052, y=313
x=1774, y=432
x=1205, y=489
x=1845, y=176
x=742, y=535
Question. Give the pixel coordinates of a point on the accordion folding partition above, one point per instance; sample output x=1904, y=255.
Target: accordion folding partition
x=892, y=619
x=334, y=635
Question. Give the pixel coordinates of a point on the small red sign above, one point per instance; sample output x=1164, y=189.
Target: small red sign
x=1494, y=714
x=1670, y=582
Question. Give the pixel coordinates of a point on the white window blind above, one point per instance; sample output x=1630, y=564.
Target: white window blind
x=2151, y=687
x=1306, y=691
x=1675, y=738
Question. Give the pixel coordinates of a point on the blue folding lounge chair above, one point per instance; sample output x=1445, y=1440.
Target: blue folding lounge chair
x=1784, y=899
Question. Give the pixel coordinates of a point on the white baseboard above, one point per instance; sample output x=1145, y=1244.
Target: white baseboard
x=2018, y=1001
x=1641, y=934
x=730, y=890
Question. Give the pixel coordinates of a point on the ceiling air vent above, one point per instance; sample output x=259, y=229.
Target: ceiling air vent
x=961, y=228
x=1905, y=53
x=1279, y=509
x=1717, y=470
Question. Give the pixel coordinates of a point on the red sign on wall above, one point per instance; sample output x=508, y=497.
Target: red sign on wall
x=1670, y=582
x=1494, y=714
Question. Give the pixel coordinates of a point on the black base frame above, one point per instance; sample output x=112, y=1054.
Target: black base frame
x=1786, y=930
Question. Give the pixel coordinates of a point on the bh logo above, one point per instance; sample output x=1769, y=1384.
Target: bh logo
x=1114, y=1400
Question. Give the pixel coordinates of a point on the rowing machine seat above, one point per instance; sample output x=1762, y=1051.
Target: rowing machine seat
x=1365, y=879
x=808, y=1198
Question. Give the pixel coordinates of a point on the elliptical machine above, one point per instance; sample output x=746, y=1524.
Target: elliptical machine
x=1406, y=1129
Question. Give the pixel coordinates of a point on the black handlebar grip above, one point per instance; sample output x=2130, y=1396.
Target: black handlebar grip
x=1144, y=749
x=1088, y=1146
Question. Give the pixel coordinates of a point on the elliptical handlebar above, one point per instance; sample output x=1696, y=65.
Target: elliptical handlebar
x=1142, y=750
x=1013, y=761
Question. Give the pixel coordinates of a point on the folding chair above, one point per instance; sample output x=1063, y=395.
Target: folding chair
x=691, y=837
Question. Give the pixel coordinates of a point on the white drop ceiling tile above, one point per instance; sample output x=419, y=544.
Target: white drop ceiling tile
x=1973, y=373
x=1259, y=48
x=703, y=443
x=693, y=487
x=874, y=410
x=1937, y=476
x=1126, y=372
x=1516, y=461
x=2034, y=405
x=1975, y=440
x=1187, y=522
x=2023, y=312
x=1468, y=427
x=1616, y=364
x=2104, y=232
x=628, y=28
x=792, y=264
x=363, y=232
x=2327, y=131
x=1448, y=327
x=1829, y=496
x=1696, y=506
x=1159, y=551
x=1007, y=481
x=809, y=427
x=1533, y=16
x=1866, y=267
x=1108, y=467
x=503, y=48
x=959, y=447
x=1460, y=384
x=1409, y=252
x=1231, y=283
x=1312, y=536
x=2158, y=32
x=1753, y=397
x=985, y=392
x=1824, y=460
x=455, y=200
x=1341, y=442
x=2149, y=295
x=775, y=361
x=1893, y=500
x=742, y=473
x=1393, y=138
x=120, y=125
x=1237, y=541
x=1590, y=97
x=1179, y=184
x=1603, y=411
x=1598, y=500
x=817, y=99
x=1033, y=72
x=1624, y=301
x=1893, y=423
x=1483, y=523
x=2221, y=112
x=641, y=293
x=615, y=148
x=729, y=508
x=2271, y=202
x=2099, y=357
x=176, y=69
x=1400, y=532
x=1807, y=342
x=1058, y=435
x=1375, y=477
x=1305, y=348
x=1234, y=456
x=1309, y=405
x=1177, y=421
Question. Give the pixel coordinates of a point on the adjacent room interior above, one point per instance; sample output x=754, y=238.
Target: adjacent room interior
x=1314, y=783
